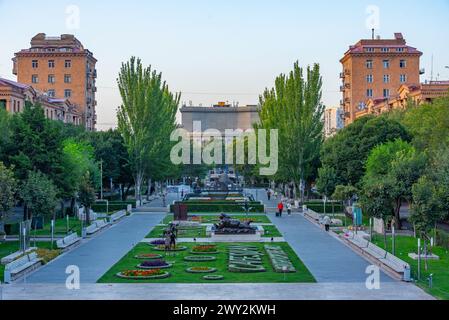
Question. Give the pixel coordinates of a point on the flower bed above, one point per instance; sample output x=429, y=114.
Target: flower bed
x=201, y=270
x=199, y=258
x=178, y=248
x=213, y=277
x=148, y=256
x=154, y=264
x=245, y=259
x=204, y=249
x=279, y=259
x=143, y=274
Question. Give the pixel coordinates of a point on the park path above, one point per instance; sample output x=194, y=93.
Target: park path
x=327, y=258
x=96, y=256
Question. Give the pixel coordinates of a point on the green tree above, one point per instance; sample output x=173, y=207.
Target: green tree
x=39, y=195
x=398, y=162
x=327, y=181
x=294, y=107
x=86, y=195
x=349, y=149
x=145, y=117
x=8, y=187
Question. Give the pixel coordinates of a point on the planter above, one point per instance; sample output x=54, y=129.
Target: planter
x=208, y=270
x=140, y=266
x=172, y=250
x=160, y=276
x=199, y=258
x=200, y=253
x=148, y=257
x=213, y=277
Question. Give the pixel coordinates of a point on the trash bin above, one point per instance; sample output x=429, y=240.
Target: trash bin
x=407, y=274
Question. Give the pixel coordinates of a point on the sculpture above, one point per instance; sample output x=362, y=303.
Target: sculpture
x=233, y=226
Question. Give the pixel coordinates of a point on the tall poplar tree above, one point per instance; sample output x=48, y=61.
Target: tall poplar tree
x=294, y=107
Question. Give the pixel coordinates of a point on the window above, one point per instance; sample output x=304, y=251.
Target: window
x=399, y=49
x=67, y=78
x=403, y=64
x=51, y=93
x=369, y=78
x=386, y=93
x=18, y=106
x=403, y=78
x=68, y=64
x=51, y=78
x=51, y=64
x=67, y=93
x=369, y=93
x=386, y=64
x=369, y=64
x=386, y=78
x=34, y=78
x=385, y=50
x=34, y=64
x=369, y=49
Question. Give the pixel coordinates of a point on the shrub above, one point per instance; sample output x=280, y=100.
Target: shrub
x=154, y=263
x=205, y=248
x=443, y=239
x=47, y=255
x=143, y=273
x=158, y=242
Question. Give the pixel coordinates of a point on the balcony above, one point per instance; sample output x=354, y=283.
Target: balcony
x=342, y=75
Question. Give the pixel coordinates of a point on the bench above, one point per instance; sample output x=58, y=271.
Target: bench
x=13, y=256
x=117, y=216
x=21, y=266
x=96, y=226
x=359, y=242
x=375, y=251
x=68, y=241
x=395, y=263
x=313, y=215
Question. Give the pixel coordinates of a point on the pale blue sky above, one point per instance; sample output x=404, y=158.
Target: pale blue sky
x=223, y=50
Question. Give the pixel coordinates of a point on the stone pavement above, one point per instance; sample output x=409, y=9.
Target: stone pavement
x=96, y=256
x=224, y=292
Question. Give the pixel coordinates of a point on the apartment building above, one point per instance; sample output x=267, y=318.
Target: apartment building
x=63, y=69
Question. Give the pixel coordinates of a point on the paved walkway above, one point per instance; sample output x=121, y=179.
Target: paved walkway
x=223, y=292
x=98, y=255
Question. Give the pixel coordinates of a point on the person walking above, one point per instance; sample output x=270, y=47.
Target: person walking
x=269, y=194
x=289, y=208
x=280, y=208
x=327, y=223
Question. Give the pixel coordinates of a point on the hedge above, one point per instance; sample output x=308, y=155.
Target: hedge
x=215, y=202
x=443, y=239
x=213, y=208
x=319, y=207
x=112, y=207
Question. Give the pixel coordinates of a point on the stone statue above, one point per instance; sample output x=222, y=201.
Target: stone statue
x=233, y=226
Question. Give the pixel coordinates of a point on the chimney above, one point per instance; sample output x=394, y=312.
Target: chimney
x=372, y=30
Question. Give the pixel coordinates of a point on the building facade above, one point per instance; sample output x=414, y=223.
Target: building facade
x=418, y=94
x=13, y=96
x=333, y=121
x=375, y=69
x=221, y=117
x=63, y=69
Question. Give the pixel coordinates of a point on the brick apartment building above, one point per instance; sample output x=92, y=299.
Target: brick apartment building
x=375, y=69
x=63, y=69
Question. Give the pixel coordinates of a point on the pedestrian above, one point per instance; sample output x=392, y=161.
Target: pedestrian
x=280, y=208
x=167, y=242
x=289, y=208
x=172, y=241
x=269, y=195
x=327, y=223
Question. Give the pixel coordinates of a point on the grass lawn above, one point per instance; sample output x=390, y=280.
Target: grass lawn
x=214, y=218
x=6, y=248
x=271, y=231
x=179, y=275
x=439, y=268
x=188, y=232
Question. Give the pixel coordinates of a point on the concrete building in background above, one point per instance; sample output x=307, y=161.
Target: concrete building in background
x=376, y=69
x=14, y=95
x=221, y=117
x=333, y=121
x=63, y=69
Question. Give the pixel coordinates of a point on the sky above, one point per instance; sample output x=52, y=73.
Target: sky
x=229, y=50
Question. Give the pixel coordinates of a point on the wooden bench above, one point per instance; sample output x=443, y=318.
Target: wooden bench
x=117, y=216
x=395, y=263
x=68, y=241
x=96, y=226
x=21, y=266
x=375, y=251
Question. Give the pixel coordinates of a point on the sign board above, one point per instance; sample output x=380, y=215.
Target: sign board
x=378, y=226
